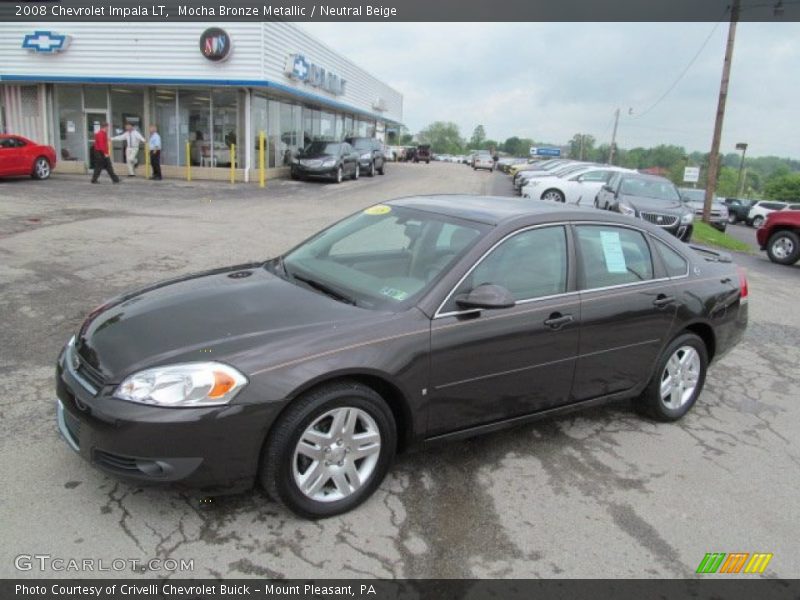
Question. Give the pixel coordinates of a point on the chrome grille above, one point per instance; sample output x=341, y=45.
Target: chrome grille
x=659, y=219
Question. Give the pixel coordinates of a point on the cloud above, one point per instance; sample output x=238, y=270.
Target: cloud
x=548, y=81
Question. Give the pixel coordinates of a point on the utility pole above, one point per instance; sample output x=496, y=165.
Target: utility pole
x=713, y=159
x=614, y=138
x=740, y=184
x=581, y=153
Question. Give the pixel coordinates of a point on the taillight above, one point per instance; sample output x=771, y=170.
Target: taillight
x=743, y=284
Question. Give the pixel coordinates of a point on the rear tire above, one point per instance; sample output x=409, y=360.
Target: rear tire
x=758, y=221
x=783, y=247
x=553, y=195
x=357, y=172
x=677, y=381
x=41, y=168
x=285, y=466
x=382, y=170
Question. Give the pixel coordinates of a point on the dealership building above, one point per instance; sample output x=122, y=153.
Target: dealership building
x=210, y=88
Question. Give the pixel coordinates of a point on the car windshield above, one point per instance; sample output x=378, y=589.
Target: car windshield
x=649, y=188
x=322, y=148
x=380, y=257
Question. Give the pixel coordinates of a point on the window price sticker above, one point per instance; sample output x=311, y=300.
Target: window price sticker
x=612, y=251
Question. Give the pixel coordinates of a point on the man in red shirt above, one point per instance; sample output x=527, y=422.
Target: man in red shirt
x=102, y=158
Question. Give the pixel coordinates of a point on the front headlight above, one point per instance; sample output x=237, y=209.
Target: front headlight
x=329, y=163
x=366, y=156
x=687, y=218
x=183, y=385
x=627, y=210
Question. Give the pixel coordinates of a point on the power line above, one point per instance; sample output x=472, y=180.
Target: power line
x=683, y=73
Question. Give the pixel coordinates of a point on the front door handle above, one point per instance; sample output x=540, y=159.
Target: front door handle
x=663, y=300
x=557, y=320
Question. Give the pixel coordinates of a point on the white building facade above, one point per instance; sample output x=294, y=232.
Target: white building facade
x=211, y=89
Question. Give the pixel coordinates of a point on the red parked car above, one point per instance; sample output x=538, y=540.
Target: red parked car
x=20, y=157
x=780, y=236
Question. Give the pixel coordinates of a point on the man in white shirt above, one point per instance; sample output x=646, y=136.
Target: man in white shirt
x=132, y=140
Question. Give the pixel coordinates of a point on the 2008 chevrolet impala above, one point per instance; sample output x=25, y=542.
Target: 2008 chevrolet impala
x=411, y=321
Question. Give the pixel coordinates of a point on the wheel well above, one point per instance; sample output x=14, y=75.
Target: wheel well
x=780, y=228
x=706, y=333
x=389, y=392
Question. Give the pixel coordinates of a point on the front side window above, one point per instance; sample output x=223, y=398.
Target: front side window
x=612, y=256
x=381, y=256
x=599, y=176
x=530, y=264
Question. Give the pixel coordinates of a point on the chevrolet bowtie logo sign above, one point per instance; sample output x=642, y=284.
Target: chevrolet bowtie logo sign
x=46, y=41
x=300, y=68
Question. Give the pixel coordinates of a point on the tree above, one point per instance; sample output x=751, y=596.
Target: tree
x=581, y=146
x=444, y=137
x=784, y=187
x=517, y=146
x=478, y=138
x=406, y=139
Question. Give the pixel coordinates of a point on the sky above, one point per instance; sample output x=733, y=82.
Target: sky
x=548, y=81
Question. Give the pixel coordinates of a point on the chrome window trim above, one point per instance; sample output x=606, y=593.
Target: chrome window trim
x=438, y=315
x=645, y=233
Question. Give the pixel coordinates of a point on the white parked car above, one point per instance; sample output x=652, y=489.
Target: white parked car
x=576, y=187
x=759, y=211
x=525, y=177
x=483, y=160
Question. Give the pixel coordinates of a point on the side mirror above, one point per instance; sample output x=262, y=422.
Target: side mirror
x=608, y=188
x=487, y=296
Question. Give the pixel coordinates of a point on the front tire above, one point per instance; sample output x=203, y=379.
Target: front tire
x=329, y=451
x=553, y=195
x=339, y=175
x=783, y=247
x=758, y=221
x=732, y=219
x=357, y=172
x=677, y=381
x=41, y=168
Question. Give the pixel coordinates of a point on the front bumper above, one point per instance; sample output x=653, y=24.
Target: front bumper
x=316, y=172
x=214, y=449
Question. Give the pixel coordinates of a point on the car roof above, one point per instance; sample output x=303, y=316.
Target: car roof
x=496, y=210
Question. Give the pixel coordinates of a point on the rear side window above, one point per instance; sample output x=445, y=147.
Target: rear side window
x=674, y=263
x=772, y=205
x=612, y=256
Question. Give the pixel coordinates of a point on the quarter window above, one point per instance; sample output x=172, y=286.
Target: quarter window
x=674, y=263
x=531, y=264
x=612, y=256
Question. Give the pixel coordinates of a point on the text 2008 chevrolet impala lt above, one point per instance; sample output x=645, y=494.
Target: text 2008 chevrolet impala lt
x=412, y=321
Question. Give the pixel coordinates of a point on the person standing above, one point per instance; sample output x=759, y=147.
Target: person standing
x=102, y=160
x=155, y=153
x=132, y=139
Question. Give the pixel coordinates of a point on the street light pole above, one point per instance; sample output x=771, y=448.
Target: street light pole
x=740, y=183
x=713, y=159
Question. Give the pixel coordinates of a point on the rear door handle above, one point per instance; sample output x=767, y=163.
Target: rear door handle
x=663, y=300
x=557, y=320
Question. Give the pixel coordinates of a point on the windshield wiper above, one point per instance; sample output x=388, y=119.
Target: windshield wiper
x=326, y=289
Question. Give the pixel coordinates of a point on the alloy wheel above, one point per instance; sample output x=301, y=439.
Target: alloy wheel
x=42, y=168
x=758, y=221
x=680, y=377
x=339, y=175
x=336, y=454
x=782, y=247
x=553, y=196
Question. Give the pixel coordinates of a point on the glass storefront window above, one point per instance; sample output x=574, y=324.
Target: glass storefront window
x=165, y=117
x=70, y=123
x=226, y=127
x=291, y=132
x=95, y=97
x=348, y=126
x=327, y=126
x=127, y=106
x=195, y=112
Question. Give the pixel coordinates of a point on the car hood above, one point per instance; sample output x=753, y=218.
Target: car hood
x=643, y=203
x=213, y=315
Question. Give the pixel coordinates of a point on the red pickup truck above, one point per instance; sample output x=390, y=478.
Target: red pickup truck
x=780, y=236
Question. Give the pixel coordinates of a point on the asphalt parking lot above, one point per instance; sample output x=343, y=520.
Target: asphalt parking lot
x=601, y=493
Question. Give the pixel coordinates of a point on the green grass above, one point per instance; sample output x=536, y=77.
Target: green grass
x=705, y=235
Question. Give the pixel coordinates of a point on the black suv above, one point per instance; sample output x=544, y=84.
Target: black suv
x=423, y=153
x=738, y=209
x=649, y=197
x=370, y=154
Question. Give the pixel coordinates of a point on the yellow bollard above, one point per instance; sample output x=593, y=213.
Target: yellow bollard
x=188, y=161
x=262, y=179
x=146, y=160
x=233, y=163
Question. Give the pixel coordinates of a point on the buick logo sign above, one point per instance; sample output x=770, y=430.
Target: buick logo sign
x=215, y=44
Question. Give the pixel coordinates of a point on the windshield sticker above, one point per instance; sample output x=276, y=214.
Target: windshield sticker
x=393, y=293
x=378, y=209
x=612, y=250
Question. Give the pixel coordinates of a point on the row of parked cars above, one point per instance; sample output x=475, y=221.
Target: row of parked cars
x=336, y=161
